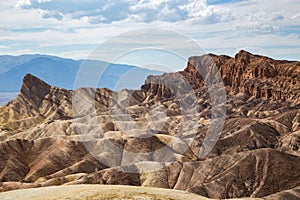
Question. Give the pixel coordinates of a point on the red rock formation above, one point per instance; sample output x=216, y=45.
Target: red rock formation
x=47, y=134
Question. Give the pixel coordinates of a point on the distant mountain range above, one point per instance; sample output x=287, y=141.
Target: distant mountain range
x=62, y=72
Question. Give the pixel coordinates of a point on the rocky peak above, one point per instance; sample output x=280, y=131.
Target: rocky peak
x=34, y=90
x=254, y=75
x=243, y=54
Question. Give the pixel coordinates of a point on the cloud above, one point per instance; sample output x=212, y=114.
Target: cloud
x=129, y=10
x=297, y=15
x=43, y=1
x=51, y=14
x=23, y=3
x=260, y=22
x=4, y=47
x=278, y=16
x=200, y=11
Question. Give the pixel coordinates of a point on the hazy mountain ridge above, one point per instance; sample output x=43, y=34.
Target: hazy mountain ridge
x=62, y=72
x=257, y=153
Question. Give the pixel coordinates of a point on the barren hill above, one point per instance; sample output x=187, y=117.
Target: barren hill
x=245, y=108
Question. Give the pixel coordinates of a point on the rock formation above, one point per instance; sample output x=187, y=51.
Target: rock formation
x=155, y=136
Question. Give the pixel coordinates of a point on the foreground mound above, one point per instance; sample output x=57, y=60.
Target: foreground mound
x=114, y=192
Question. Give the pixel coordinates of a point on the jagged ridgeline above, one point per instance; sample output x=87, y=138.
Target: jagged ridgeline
x=43, y=137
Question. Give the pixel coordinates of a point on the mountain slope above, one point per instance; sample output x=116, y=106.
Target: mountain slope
x=52, y=136
x=8, y=62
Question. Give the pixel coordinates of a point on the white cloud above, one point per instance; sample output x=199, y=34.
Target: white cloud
x=129, y=10
x=297, y=15
x=23, y=3
x=200, y=11
x=4, y=47
x=51, y=14
x=261, y=22
x=43, y=1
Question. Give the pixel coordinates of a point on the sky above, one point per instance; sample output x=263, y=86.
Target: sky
x=75, y=28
